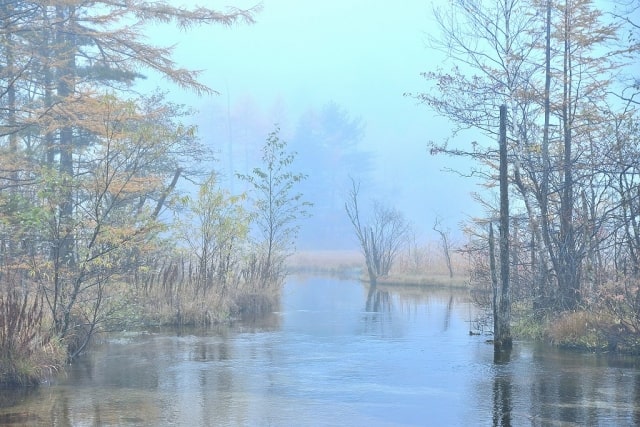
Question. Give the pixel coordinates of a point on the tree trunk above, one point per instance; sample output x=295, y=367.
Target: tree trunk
x=445, y=246
x=494, y=277
x=65, y=88
x=546, y=168
x=502, y=300
x=166, y=192
x=568, y=273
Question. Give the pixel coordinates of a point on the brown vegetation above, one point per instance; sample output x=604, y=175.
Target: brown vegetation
x=171, y=293
x=593, y=329
x=415, y=265
x=579, y=329
x=607, y=319
x=338, y=262
x=28, y=352
x=429, y=265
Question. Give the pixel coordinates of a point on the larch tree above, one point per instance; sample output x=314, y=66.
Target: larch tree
x=103, y=44
x=492, y=49
x=581, y=78
x=116, y=179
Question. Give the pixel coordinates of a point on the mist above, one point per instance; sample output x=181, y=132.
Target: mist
x=318, y=71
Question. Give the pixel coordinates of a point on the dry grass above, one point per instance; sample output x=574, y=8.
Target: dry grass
x=580, y=329
x=28, y=353
x=183, y=305
x=332, y=262
x=427, y=266
x=424, y=266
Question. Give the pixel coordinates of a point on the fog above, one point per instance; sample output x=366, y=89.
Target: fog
x=338, y=69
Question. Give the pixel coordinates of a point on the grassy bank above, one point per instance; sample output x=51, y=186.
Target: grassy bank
x=184, y=304
x=331, y=262
x=425, y=279
x=583, y=330
x=31, y=351
x=423, y=267
x=28, y=352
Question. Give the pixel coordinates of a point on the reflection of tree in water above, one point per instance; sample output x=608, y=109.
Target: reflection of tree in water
x=502, y=389
x=18, y=418
x=377, y=308
x=447, y=314
x=205, y=351
x=636, y=413
x=378, y=301
x=383, y=301
x=11, y=397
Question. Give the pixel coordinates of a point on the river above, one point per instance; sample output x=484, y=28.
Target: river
x=335, y=354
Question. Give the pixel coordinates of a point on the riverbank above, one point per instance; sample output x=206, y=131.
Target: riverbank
x=582, y=330
x=435, y=280
x=427, y=268
x=28, y=351
x=329, y=361
x=29, y=357
x=31, y=353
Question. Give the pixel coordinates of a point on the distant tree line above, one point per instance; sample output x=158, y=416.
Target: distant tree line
x=328, y=141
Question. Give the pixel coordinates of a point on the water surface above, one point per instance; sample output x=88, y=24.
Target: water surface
x=336, y=354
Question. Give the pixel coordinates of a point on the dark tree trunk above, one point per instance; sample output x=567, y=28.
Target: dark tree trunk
x=65, y=88
x=568, y=280
x=502, y=299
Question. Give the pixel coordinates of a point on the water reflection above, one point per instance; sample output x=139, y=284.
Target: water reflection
x=336, y=353
x=377, y=300
x=447, y=317
x=591, y=389
x=502, y=388
x=636, y=398
x=377, y=311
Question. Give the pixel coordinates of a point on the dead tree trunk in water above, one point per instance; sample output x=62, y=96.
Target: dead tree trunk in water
x=494, y=276
x=502, y=300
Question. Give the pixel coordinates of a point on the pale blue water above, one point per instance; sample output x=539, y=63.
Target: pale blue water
x=335, y=355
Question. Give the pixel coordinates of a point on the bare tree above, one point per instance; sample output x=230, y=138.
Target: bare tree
x=446, y=244
x=502, y=296
x=353, y=211
x=382, y=240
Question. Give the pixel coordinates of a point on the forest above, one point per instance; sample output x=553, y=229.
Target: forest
x=95, y=234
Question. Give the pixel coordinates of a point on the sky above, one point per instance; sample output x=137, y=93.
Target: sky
x=361, y=54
